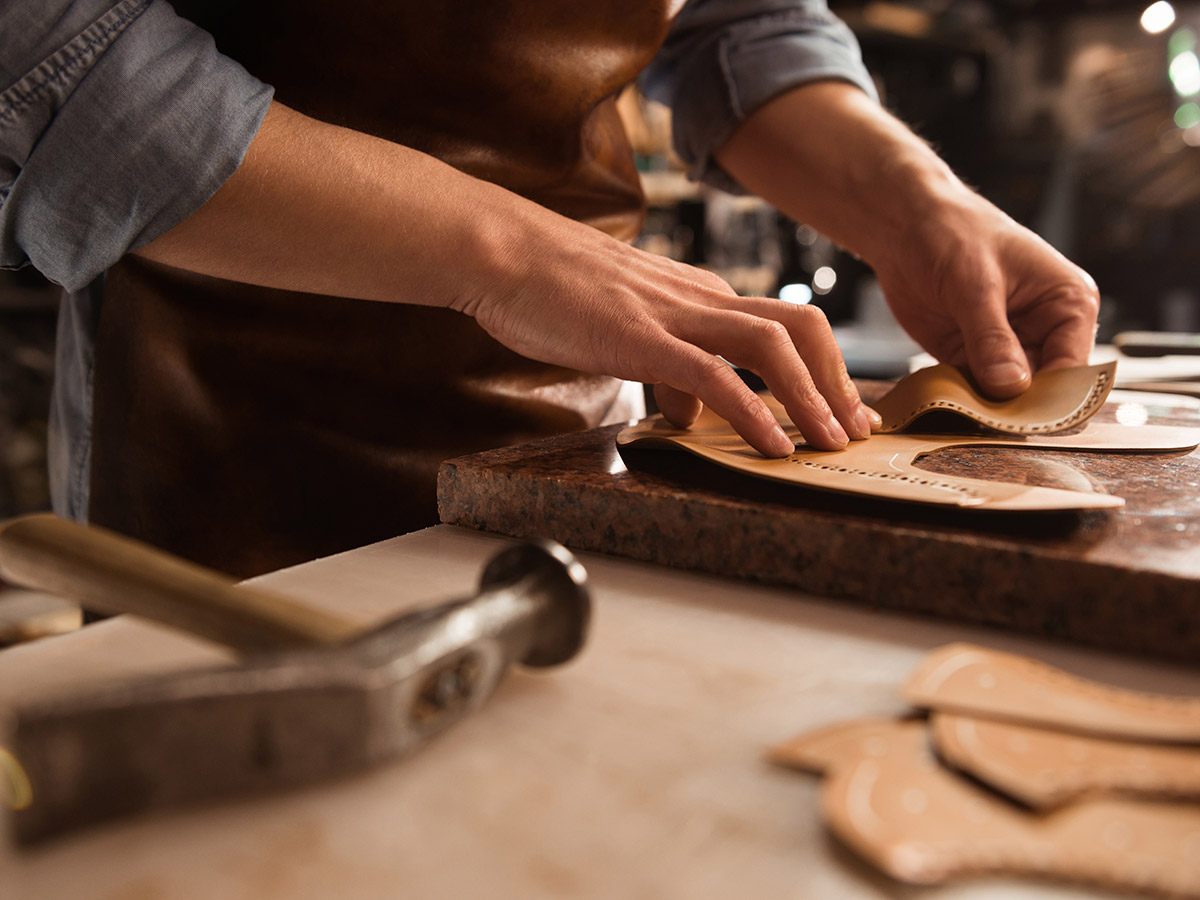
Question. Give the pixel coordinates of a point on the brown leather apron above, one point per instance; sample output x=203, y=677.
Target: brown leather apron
x=248, y=428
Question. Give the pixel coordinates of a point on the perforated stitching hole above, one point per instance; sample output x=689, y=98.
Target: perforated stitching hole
x=959, y=489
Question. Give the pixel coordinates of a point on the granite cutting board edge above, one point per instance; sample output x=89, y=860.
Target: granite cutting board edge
x=1054, y=577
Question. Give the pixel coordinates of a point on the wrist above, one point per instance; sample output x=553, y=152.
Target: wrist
x=910, y=197
x=829, y=156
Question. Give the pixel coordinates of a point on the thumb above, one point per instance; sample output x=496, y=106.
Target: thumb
x=994, y=353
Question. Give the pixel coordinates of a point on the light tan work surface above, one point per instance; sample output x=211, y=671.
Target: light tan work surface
x=634, y=772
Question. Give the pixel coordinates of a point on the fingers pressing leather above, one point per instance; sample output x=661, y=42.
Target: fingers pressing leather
x=692, y=371
x=799, y=361
x=1070, y=341
x=679, y=408
x=814, y=341
x=994, y=354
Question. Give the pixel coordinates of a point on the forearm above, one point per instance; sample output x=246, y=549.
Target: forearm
x=829, y=156
x=975, y=288
x=323, y=209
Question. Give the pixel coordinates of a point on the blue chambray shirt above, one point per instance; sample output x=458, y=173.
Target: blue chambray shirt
x=118, y=120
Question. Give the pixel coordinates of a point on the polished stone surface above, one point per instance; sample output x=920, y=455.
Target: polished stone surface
x=1125, y=579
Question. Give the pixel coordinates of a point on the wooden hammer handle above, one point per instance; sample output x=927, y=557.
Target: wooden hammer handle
x=111, y=573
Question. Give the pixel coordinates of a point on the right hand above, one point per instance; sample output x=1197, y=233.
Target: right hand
x=570, y=295
x=319, y=208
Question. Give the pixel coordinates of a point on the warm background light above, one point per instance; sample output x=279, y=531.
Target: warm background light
x=824, y=279
x=1158, y=17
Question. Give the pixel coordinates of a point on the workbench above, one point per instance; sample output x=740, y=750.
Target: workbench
x=1123, y=579
x=635, y=771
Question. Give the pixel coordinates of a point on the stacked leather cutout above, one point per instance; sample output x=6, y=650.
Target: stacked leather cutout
x=1016, y=768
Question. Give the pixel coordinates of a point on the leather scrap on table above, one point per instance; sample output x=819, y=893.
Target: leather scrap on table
x=979, y=681
x=1118, y=811
x=1046, y=769
x=883, y=466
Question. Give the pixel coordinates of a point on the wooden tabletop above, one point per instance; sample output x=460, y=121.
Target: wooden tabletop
x=636, y=771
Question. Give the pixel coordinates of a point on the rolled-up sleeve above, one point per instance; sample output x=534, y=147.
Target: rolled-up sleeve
x=119, y=121
x=725, y=58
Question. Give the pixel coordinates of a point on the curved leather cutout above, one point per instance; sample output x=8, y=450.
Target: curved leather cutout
x=1030, y=692
x=893, y=789
x=1055, y=401
x=888, y=798
x=1046, y=769
x=883, y=465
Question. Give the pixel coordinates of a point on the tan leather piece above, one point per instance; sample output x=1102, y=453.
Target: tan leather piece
x=1055, y=400
x=883, y=466
x=842, y=743
x=889, y=794
x=1044, y=769
x=971, y=680
x=919, y=822
x=250, y=429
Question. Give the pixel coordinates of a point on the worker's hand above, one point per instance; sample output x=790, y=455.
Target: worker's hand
x=981, y=292
x=572, y=296
x=973, y=287
x=397, y=225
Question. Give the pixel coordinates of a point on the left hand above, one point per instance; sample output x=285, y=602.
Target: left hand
x=972, y=286
x=981, y=292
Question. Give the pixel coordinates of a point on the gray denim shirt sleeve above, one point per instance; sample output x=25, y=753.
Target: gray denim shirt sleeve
x=725, y=58
x=117, y=121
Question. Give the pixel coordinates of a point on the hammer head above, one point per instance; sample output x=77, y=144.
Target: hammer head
x=289, y=717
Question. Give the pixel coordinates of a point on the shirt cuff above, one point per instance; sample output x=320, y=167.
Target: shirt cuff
x=118, y=137
x=713, y=78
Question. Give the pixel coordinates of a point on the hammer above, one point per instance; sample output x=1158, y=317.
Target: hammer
x=313, y=696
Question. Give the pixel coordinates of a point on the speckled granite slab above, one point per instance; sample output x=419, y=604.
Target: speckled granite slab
x=1125, y=579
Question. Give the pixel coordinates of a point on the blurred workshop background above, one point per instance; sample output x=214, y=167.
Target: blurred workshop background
x=1080, y=119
